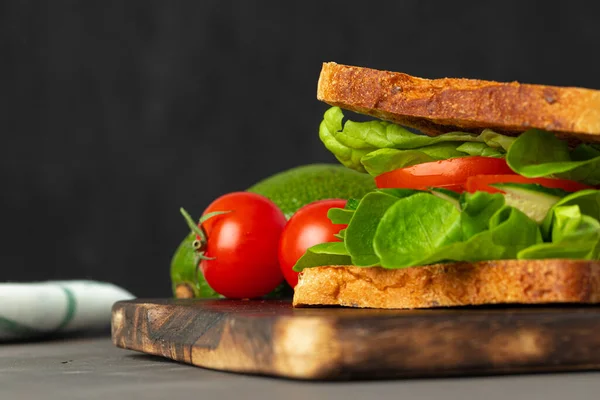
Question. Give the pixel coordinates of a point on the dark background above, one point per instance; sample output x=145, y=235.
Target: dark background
x=116, y=113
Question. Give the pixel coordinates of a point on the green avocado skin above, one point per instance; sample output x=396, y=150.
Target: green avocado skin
x=293, y=188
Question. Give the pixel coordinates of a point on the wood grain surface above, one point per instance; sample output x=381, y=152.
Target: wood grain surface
x=272, y=338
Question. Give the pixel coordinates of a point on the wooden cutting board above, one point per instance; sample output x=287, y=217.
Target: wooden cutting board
x=272, y=338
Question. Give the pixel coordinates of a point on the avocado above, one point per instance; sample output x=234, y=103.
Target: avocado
x=293, y=188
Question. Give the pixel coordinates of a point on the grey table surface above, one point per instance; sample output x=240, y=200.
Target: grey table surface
x=92, y=368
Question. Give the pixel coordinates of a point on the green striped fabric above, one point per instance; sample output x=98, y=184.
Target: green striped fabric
x=38, y=309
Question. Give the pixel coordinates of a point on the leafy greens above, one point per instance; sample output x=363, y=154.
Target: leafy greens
x=401, y=228
x=406, y=228
x=378, y=146
x=537, y=153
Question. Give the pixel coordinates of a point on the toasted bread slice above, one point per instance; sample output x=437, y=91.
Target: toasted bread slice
x=435, y=106
x=455, y=284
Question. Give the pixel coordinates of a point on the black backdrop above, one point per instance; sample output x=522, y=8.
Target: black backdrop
x=115, y=113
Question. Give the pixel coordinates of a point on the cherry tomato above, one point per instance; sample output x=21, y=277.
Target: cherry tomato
x=307, y=227
x=241, y=246
x=450, y=174
x=482, y=182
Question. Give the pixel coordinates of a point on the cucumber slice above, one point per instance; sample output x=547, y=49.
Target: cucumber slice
x=533, y=187
x=447, y=195
x=532, y=199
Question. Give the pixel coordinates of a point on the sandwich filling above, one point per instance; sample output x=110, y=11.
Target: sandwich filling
x=460, y=196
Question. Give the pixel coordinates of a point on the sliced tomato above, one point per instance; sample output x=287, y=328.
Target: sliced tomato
x=451, y=174
x=482, y=183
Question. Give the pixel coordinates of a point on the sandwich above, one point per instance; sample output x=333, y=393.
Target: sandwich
x=486, y=193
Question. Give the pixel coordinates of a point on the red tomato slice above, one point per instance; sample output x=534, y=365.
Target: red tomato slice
x=482, y=182
x=450, y=174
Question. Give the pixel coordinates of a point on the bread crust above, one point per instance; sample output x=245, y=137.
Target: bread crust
x=436, y=106
x=453, y=284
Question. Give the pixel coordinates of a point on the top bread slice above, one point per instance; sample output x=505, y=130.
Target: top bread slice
x=435, y=106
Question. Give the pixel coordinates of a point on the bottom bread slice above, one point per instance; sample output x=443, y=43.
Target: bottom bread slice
x=454, y=284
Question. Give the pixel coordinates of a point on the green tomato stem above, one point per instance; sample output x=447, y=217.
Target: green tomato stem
x=198, y=230
x=211, y=214
x=193, y=226
x=201, y=256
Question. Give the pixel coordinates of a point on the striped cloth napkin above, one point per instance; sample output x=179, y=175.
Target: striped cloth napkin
x=38, y=309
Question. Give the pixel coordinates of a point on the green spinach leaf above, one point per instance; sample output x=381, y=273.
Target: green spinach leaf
x=537, y=153
x=329, y=253
x=588, y=202
x=415, y=226
x=574, y=235
x=510, y=231
x=361, y=230
x=477, y=211
x=340, y=215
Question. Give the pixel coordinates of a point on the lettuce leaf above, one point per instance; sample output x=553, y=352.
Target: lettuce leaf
x=379, y=146
x=537, y=153
x=510, y=232
x=479, y=149
x=361, y=229
x=574, y=235
x=587, y=200
x=330, y=253
x=340, y=215
x=477, y=211
x=383, y=160
x=415, y=227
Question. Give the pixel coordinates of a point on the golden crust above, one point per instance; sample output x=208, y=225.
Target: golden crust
x=455, y=284
x=436, y=106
